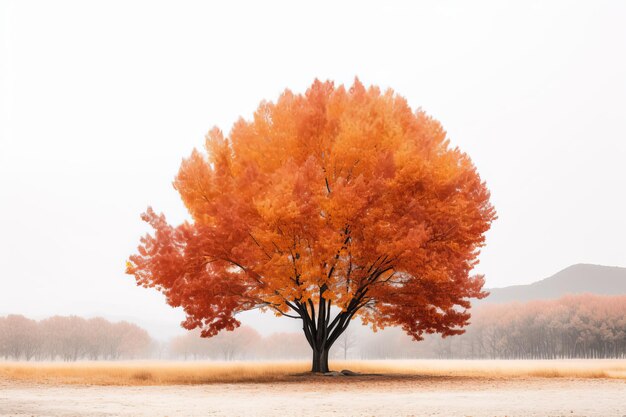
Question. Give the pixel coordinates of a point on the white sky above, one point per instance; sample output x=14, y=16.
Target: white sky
x=101, y=101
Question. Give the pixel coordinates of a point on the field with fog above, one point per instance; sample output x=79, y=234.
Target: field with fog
x=205, y=372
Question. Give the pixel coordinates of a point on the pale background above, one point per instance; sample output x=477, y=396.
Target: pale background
x=101, y=101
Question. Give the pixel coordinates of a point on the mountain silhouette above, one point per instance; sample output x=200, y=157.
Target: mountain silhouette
x=575, y=279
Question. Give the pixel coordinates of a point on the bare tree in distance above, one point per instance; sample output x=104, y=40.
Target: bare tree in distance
x=346, y=342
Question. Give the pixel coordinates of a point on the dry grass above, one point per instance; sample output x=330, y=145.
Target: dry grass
x=600, y=368
x=149, y=373
x=175, y=373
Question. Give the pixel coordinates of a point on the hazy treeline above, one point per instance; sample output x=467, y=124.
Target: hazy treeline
x=242, y=343
x=71, y=338
x=580, y=326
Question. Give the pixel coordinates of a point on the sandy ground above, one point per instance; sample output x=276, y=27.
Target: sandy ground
x=327, y=396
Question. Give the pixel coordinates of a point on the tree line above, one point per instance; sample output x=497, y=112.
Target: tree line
x=71, y=338
x=580, y=326
x=575, y=326
x=244, y=343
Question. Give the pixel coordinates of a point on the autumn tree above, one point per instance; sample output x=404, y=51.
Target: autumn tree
x=335, y=204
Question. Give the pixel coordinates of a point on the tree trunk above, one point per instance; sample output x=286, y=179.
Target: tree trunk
x=320, y=360
x=320, y=331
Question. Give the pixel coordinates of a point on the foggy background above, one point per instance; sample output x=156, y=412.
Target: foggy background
x=101, y=101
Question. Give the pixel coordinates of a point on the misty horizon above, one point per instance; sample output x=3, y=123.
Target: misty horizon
x=588, y=279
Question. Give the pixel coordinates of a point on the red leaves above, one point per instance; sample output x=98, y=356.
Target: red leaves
x=350, y=193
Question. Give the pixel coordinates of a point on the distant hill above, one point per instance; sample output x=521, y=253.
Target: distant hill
x=576, y=279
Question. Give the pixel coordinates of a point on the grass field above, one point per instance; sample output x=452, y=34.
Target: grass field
x=136, y=373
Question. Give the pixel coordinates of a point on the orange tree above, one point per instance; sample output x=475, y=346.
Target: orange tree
x=336, y=204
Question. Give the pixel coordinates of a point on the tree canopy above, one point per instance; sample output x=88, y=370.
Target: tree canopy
x=337, y=203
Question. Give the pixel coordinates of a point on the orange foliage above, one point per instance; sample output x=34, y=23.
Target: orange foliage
x=338, y=197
